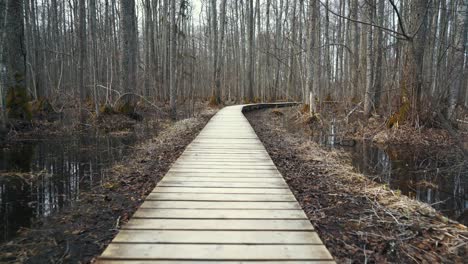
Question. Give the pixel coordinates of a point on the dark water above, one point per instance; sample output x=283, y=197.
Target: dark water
x=428, y=176
x=39, y=178
x=438, y=180
x=431, y=179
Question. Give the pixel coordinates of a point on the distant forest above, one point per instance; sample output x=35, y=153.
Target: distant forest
x=402, y=59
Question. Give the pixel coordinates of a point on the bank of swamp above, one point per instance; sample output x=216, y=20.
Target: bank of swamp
x=360, y=217
x=67, y=186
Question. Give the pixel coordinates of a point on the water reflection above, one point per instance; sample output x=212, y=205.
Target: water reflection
x=41, y=177
x=437, y=180
x=440, y=183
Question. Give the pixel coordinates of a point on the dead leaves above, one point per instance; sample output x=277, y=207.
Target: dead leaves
x=359, y=220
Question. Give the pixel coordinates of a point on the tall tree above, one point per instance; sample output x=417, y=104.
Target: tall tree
x=369, y=95
x=355, y=48
x=251, y=71
x=465, y=51
x=15, y=60
x=418, y=48
x=214, y=30
x=82, y=52
x=129, y=52
x=172, y=60
x=380, y=55
x=94, y=57
x=314, y=54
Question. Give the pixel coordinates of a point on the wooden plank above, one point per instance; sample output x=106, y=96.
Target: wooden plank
x=222, y=179
x=220, y=205
x=221, y=197
x=219, y=214
x=219, y=224
x=226, y=155
x=246, y=167
x=204, y=262
x=217, y=237
x=227, y=171
x=224, y=184
x=216, y=252
x=222, y=175
x=222, y=161
x=219, y=190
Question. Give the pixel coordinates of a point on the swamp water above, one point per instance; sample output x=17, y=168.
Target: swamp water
x=39, y=178
x=436, y=180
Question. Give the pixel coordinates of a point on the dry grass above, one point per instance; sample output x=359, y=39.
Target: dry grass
x=358, y=219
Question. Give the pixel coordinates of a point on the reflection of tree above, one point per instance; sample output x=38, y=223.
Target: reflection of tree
x=18, y=158
x=14, y=210
x=66, y=166
x=434, y=179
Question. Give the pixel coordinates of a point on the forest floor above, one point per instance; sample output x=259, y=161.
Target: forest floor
x=81, y=232
x=357, y=218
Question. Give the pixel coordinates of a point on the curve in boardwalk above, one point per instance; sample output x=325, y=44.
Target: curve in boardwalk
x=223, y=201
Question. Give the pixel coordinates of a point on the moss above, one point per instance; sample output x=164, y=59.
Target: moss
x=402, y=114
x=312, y=119
x=125, y=108
x=277, y=112
x=213, y=101
x=17, y=103
x=106, y=109
x=305, y=109
x=41, y=106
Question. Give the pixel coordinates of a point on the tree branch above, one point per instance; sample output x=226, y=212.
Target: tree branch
x=396, y=34
x=400, y=21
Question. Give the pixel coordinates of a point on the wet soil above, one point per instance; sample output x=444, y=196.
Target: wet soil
x=357, y=218
x=80, y=232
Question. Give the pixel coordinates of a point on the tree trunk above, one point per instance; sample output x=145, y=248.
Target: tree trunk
x=251, y=74
x=465, y=50
x=419, y=26
x=368, y=97
x=380, y=55
x=15, y=62
x=129, y=52
x=314, y=54
x=355, y=60
x=94, y=59
x=172, y=61
x=82, y=53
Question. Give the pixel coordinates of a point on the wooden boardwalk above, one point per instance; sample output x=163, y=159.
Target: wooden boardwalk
x=223, y=201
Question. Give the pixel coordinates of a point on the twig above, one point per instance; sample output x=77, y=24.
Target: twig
x=142, y=97
x=117, y=223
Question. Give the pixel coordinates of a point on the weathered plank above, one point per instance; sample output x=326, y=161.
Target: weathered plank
x=222, y=179
x=216, y=252
x=217, y=261
x=224, y=184
x=220, y=205
x=219, y=214
x=220, y=190
x=221, y=197
x=218, y=224
x=217, y=237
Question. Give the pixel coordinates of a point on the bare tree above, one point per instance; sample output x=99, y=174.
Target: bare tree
x=172, y=60
x=129, y=51
x=251, y=71
x=15, y=59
